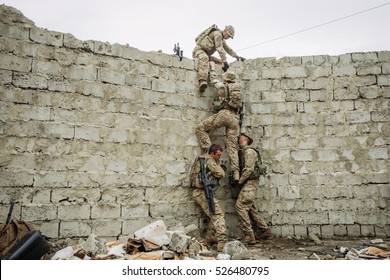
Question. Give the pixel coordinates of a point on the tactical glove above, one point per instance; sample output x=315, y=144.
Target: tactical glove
x=225, y=66
x=240, y=58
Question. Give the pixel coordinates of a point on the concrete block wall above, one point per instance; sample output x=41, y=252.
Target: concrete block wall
x=322, y=124
x=99, y=138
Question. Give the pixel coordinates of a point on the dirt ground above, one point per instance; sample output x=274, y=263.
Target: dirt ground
x=284, y=248
x=304, y=249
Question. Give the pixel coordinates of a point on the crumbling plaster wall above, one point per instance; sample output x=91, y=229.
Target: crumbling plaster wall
x=99, y=138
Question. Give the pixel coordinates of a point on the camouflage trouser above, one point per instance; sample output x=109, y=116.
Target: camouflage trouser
x=203, y=62
x=223, y=118
x=246, y=209
x=217, y=220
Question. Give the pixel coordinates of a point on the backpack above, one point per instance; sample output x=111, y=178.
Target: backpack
x=194, y=174
x=260, y=168
x=205, y=33
x=218, y=105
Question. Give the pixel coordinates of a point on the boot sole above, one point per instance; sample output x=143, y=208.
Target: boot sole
x=202, y=87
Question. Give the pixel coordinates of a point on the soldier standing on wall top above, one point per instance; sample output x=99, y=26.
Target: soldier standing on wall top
x=210, y=40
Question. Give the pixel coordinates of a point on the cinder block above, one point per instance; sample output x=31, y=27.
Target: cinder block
x=106, y=228
x=74, y=212
x=39, y=213
x=14, y=31
x=135, y=211
x=368, y=230
x=327, y=231
x=49, y=229
x=340, y=230
x=300, y=230
x=105, y=211
x=44, y=36
x=72, y=229
x=163, y=86
x=30, y=81
x=15, y=63
x=287, y=230
x=354, y=230
x=5, y=77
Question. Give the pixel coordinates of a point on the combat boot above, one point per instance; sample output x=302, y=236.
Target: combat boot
x=221, y=245
x=249, y=239
x=266, y=234
x=202, y=86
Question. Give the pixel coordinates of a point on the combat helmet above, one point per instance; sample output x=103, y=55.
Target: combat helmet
x=229, y=30
x=229, y=76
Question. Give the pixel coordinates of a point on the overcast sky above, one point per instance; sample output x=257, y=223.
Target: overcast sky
x=275, y=28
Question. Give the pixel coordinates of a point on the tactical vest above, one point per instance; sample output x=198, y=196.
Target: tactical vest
x=259, y=169
x=205, y=33
x=219, y=105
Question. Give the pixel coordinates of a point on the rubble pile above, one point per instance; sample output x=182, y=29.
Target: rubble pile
x=152, y=242
x=155, y=242
x=373, y=249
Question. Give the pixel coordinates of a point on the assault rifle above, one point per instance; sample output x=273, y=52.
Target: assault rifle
x=241, y=114
x=208, y=185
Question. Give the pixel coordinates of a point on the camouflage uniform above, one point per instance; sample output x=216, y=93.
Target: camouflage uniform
x=227, y=116
x=214, y=172
x=206, y=46
x=245, y=207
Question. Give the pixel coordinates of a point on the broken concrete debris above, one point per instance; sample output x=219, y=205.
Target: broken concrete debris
x=155, y=242
x=367, y=253
x=152, y=242
x=236, y=250
x=315, y=238
x=373, y=251
x=179, y=242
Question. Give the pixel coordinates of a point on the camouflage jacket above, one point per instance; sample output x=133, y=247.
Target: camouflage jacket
x=213, y=170
x=215, y=42
x=232, y=99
